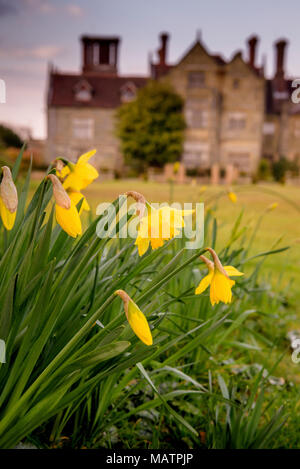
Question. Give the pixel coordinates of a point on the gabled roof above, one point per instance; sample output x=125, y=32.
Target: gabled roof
x=199, y=45
x=106, y=89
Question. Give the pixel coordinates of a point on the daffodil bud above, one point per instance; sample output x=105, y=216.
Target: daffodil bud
x=136, y=318
x=217, y=262
x=8, y=191
x=60, y=195
x=209, y=263
x=140, y=200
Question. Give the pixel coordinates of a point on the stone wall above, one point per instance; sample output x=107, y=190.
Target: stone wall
x=66, y=138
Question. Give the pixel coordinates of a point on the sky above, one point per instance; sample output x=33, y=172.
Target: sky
x=36, y=32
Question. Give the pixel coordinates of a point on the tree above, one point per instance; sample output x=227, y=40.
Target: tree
x=151, y=127
x=8, y=138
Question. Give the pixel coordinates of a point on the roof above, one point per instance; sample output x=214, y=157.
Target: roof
x=106, y=89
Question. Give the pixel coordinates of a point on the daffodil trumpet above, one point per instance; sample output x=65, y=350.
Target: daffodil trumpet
x=66, y=213
x=156, y=225
x=218, y=278
x=77, y=176
x=136, y=318
x=8, y=199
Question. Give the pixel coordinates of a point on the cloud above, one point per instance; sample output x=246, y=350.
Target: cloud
x=74, y=10
x=42, y=6
x=7, y=8
x=44, y=52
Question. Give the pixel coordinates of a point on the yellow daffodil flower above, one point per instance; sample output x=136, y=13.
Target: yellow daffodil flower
x=272, y=207
x=159, y=225
x=218, y=280
x=8, y=199
x=76, y=197
x=136, y=318
x=66, y=213
x=176, y=167
x=232, y=196
x=80, y=174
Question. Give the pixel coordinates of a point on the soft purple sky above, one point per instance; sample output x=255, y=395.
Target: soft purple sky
x=33, y=32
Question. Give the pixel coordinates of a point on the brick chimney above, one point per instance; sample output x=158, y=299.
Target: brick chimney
x=252, y=44
x=100, y=54
x=162, y=51
x=280, y=57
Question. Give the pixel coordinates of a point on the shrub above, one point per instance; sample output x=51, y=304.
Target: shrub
x=151, y=127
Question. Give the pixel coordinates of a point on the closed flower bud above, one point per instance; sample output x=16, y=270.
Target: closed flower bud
x=8, y=191
x=8, y=199
x=136, y=318
x=60, y=195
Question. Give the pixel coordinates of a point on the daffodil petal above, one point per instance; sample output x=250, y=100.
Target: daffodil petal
x=142, y=244
x=8, y=218
x=220, y=288
x=69, y=220
x=86, y=156
x=232, y=271
x=139, y=323
x=205, y=282
x=76, y=197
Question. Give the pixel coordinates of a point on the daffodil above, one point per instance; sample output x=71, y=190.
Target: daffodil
x=8, y=199
x=272, y=207
x=66, y=213
x=218, y=280
x=79, y=175
x=176, y=167
x=76, y=197
x=159, y=225
x=156, y=225
x=232, y=196
x=136, y=318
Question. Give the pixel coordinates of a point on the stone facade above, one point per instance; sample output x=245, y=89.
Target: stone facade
x=234, y=115
x=224, y=110
x=67, y=139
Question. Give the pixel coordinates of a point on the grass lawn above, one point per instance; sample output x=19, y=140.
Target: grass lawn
x=281, y=223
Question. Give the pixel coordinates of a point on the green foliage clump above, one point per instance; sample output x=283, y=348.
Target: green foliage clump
x=263, y=170
x=76, y=375
x=8, y=138
x=151, y=127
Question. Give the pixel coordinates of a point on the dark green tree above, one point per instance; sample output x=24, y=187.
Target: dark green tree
x=8, y=138
x=151, y=127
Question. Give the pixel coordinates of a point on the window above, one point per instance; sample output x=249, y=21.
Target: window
x=83, y=91
x=268, y=128
x=196, y=118
x=196, y=79
x=280, y=95
x=235, y=83
x=240, y=161
x=195, y=155
x=83, y=129
x=112, y=54
x=128, y=92
x=236, y=121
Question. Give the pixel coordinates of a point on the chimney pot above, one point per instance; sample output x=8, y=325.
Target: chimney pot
x=252, y=44
x=280, y=57
x=162, y=52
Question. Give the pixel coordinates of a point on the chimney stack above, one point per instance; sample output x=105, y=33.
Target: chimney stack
x=252, y=44
x=162, y=52
x=280, y=57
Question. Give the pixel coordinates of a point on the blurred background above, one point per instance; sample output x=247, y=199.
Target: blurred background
x=67, y=67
